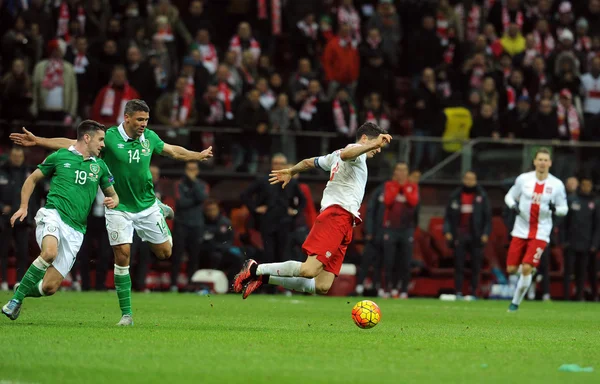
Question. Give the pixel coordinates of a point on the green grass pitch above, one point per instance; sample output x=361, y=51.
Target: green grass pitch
x=185, y=338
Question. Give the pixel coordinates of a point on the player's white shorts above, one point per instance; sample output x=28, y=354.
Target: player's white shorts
x=149, y=224
x=49, y=223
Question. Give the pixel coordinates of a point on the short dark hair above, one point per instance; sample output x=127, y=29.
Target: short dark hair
x=542, y=150
x=370, y=129
x=88, y=127
x=136, y=105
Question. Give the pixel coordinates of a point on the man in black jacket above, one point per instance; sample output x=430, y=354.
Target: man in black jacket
x=467, y=227
x=582, y=233
x=273, y=209
x=189, y=223
x=217, y=242
x=12, y=176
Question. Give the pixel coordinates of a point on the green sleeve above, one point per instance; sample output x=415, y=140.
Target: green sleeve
x=49, y=164
x=157, y=143
x=107, y=179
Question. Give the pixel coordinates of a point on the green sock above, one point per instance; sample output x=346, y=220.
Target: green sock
x=123, y=286
x=34, y=274
x=36, y=290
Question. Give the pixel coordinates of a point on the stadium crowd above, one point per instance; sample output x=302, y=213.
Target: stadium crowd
x=522, y=68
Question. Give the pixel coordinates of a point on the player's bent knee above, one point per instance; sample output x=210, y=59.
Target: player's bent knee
x=511, y=269
x=322, y=289
x=49, y=255
x=309, y=271
x=526, y=269
x=163, y=254
x=50, y=287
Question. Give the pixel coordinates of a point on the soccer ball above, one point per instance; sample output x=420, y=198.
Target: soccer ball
x=366, y=314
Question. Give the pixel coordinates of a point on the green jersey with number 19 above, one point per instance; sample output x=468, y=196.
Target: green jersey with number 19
x=74, y=184
x=129, y=160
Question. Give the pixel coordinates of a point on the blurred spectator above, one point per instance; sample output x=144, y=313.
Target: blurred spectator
x=592, y=15
x=515, y=89
x=446, y=18
x=544, y=40
x=133, y=18
x=519, y=120
x=387, y=22
x=108, y=59
x=345, y=115
x=565, y=54
x=284, y=119
x=13, y=173
x=544, y=124
x=590, y=83
x=209, y=53
x=566, y=18
x=225, y=92
x=376, y=112
x=264, y=67
x=341, y=62
x=234, y=77
x=165, y=24
x=428, y=119
x=467, y=227
x=583, y=42
x=425, y=48
x=196, y=19
x=37, y=14
x=217, y=243
x=569, y=129
x=248, y=71
x=474, y=103
x=65, y=12
x=140, y=75
x=537, y=78
x=86, y=70
x=299, y=80
x=306, y=37
x=54, y=87
x=188, y=227
x=97, y=15
x=470, y=15
x=177, y=109
x=486, y=124
x=244, y=41
x=115, y=32
x=17, y=43
x=525, y=58
x=347, y=14
x=273, y=210
x=212, y=110
x=15, y=93
x=142, y=41
x=313, y=108
x=109, y=106
x=582, y=239
x=276, y=83
x=489, y=94
x=374, y=73
x=196, y=75
x=254, y=121
x=503, y=13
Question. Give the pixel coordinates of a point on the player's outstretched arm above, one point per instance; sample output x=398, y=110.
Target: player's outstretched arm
x=111, y=199
x=285, y=175
x=560, y=202
x=513, y=195
x=28, y=139
x=176, y=152
x=352, y=152
x=26, y=191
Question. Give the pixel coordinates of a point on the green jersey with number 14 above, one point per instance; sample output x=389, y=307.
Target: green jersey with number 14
x=74, y=184
x=129, y=160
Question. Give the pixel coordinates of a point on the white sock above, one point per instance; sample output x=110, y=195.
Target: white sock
x=40, y=288
x=522, y=287
x=41, y=264
x=121, y=271
x=298, y=284
x=287, y=268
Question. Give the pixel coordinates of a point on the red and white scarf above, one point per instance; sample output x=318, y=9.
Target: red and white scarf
x=473, y=21
x=449, y=53
x=573, y=120
x=54, y=74
x=544, y=45
x=311, y=30
x=309, y=108
x=583, y=44
x=217, y=113
x=349, y=15
x=442, y=24
x=108, y=103
x=267, y=99
x=511, y=96
x=210, y=59
x=64, y=17
x=506, y=20
x=80, y=63
x=275, y=14
x=529, y=56
x=476, y=79
x=343, y=126
x=226, y=95
x=348, y=42
x=236, y=45
x=382, y=121
x=181, y=112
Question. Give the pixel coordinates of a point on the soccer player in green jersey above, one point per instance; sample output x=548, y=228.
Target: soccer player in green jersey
x=75, y=175
x=129, y=149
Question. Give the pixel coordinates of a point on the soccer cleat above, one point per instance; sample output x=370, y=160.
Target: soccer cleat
x=251, y=287
x=513, y=308
x=167, y=211
x=12, y=309
x=244, y=276
x=126, y=321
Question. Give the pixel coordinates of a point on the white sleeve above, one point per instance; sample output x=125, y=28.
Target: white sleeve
x=514, y=193
x=326, y=162
x=560, y=200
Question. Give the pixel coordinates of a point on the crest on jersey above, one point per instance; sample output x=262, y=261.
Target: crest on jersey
x=548, y=189
x=95, y=168
x=146, y=144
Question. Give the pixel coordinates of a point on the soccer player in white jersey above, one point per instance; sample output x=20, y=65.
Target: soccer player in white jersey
x=535, y=197
x=325, y=246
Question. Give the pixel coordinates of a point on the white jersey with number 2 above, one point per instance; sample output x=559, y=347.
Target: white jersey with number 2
x=347, y=181
x=534, y=197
